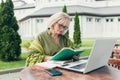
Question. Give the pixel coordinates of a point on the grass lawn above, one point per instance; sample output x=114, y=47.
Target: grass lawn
x=87, y=42
x=21, y=63
x=85, y=53
x=13, y=64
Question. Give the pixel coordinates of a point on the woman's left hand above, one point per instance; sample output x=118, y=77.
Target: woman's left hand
x=76, y=57
x=47, y=58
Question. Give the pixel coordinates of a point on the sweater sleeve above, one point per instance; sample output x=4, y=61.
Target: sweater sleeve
x=36, y=53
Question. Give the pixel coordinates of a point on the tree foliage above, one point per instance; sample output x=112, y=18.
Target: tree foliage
x=77, y=33
x=64, y=9
x=1, y=13
x=9, y=38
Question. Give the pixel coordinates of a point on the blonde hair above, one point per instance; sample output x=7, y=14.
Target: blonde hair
x=61, y=17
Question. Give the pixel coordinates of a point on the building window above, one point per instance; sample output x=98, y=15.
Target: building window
x=118, y=19
x=109, y=20
x=97, y=20
x=39, y=20
x=70, y=19
x=89, y=19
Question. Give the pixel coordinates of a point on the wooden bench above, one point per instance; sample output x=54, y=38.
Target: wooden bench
x=114, y=62
x=115, y=57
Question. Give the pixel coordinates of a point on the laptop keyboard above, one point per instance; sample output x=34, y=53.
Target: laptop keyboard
x=79, y=66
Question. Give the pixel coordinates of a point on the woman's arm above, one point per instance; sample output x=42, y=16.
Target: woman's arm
x=75, y=57
x=36, y=53
x=47, y=58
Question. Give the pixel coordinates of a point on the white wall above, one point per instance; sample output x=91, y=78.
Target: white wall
x=90, y=27
x=20, y=13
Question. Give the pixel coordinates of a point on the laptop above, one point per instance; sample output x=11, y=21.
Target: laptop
x=99, y=55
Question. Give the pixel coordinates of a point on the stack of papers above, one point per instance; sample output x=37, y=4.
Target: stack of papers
x=50, y=64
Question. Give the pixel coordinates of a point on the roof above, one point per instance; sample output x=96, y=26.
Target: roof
x=81, y=10
x=25, y=6
x=18, y=1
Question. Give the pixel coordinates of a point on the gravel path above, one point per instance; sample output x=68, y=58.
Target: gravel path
x=10, y=76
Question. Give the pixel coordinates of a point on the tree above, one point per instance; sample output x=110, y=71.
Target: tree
x=64, y=9
x=1, y=19
x=9, y=17
x=10, y=48
x=9, y=38
x=77, y=33
x=1, y=13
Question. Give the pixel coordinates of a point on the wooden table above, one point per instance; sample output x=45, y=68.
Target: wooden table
x=38, y=73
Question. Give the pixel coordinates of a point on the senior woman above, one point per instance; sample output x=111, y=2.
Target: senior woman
x=49, y=42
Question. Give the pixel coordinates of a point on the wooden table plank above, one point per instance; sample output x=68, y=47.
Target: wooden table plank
x=38, y=73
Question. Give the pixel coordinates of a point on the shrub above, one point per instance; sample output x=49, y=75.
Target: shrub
x=10, y=49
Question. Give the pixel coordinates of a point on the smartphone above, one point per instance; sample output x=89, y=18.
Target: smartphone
x=53, y=72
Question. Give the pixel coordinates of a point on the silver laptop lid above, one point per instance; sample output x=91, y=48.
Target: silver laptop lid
x=100, y=53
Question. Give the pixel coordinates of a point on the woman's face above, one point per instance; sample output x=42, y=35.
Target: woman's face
x=60, y=28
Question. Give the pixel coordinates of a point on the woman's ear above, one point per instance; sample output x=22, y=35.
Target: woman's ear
x=52, y=26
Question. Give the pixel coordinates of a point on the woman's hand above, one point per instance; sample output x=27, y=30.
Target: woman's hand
x=47, y=58
x=76, y=57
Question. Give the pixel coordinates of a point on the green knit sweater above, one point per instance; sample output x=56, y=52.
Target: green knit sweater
x=45, y=45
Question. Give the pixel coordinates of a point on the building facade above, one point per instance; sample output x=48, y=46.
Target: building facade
x=98, y=18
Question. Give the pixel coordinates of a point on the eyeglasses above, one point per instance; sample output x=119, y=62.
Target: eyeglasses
x=62, y=26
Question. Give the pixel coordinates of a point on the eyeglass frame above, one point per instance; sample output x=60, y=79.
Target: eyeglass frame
x=62, y=26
